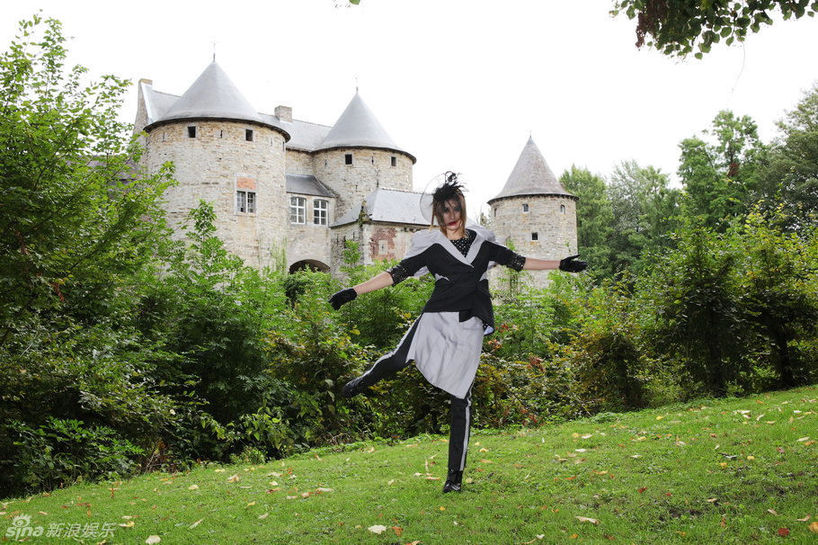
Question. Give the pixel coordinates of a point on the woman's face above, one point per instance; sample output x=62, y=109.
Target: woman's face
x=451, y=218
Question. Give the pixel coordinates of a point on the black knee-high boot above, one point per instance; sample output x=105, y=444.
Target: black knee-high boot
x=458, y=442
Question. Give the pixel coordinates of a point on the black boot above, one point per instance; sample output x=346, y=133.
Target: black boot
x=354, y=387
x=453, y=481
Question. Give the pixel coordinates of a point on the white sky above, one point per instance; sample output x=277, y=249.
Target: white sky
x=460, y=84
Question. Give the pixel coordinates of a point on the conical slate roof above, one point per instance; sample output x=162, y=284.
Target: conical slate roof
x=358, y=127
x=213, y=96
x=531, y=176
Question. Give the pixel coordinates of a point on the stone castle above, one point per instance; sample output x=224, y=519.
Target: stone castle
x=281, y=185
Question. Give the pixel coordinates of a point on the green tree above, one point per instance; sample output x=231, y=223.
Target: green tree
x=680, y=27
x=645, y=212
x=790, y=176
x=695, y=315
x=75, y=214
x=720, y=175
x=79, y=224
x=776, y=278
x=594, y=218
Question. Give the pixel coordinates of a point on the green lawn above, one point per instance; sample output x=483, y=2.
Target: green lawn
x=716, y=471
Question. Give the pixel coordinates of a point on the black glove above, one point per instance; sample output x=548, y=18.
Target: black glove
x=570, y=265
x=342, y=297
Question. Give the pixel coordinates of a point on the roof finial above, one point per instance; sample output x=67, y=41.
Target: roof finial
x=356, y=84
x=214, y=50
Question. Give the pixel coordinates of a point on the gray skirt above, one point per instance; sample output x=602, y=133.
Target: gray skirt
x=446, y=351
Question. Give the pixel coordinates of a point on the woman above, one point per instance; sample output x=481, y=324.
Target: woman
x=446, y=340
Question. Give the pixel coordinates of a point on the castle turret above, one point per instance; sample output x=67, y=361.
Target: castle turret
x=357, y=157
x=224, y=152
x=534, y=213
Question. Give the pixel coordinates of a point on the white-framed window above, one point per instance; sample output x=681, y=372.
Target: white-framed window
x=320, y=207
x=298, y=210
x=246, y=202
x=525, y=207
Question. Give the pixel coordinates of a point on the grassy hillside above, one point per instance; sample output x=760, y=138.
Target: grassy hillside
x=727, y=471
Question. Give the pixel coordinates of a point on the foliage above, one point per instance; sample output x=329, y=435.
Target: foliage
x=790, y=176
x=594, y=218
x=720, y=176
x=680, y=27
x=645, y=213
x=61, y=451
x=776, y=275
x=79, y=223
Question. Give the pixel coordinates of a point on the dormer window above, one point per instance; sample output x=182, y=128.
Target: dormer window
x=191, y=131
x=248, y=135
x=348, y=159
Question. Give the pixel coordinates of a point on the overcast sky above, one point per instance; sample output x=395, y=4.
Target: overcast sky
x=460, y=84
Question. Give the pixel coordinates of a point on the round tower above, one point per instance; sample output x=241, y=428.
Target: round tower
x=534, y=213
x=225, y=153
x=357, y=157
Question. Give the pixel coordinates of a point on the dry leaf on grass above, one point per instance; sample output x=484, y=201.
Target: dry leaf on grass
x=377, y=529
x=586, y=519
x=195, y=524
x=153, y=540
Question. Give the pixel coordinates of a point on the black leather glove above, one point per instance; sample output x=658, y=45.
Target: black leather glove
x=342, y=297
x=571, y=264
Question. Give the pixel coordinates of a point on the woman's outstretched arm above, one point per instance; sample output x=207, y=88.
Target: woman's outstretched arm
x=534, y=264
x=381, y=280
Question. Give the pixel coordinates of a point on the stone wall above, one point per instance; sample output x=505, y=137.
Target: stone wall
x=213, y=166
x=309, y=241
x=299, y=162
x=552, y=218
x=370, y=169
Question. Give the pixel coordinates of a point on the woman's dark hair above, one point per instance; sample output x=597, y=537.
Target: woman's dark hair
x=450, y=190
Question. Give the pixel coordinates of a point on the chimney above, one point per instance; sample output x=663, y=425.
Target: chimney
x=145, y=80
x=284, y=113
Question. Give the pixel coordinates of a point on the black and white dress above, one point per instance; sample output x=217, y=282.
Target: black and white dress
x=446, y=340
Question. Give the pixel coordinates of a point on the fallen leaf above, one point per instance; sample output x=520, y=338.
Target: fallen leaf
x=783, y=532
x=398, y=530
x=377, y=529
x=152, y=540
x=264, y=515
x=252, y=503
x=193, y=487
x=772, y=512
x=813, y=527
x=195, y=524
x=805, y=519
x=642, y=489
x=128, y=524
x=586, y=519
x=803, y=439
x=233, y=478
x=321, y=489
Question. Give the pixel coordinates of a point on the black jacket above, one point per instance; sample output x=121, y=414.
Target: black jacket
x=461, y=281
